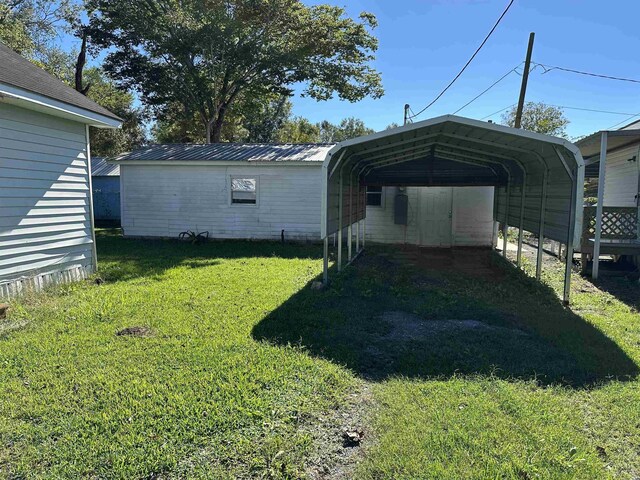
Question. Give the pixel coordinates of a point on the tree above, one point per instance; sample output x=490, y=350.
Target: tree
x=539, y=117
x=107, y=142
x=204, y=55
x=30, y=26
x=348, y=128
x=298, y=130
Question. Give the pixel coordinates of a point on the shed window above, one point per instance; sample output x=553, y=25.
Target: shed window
x=244, y=190
x=374, y=196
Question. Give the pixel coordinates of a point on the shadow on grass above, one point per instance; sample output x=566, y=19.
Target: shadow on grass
x=436, y=315
x=122, y=259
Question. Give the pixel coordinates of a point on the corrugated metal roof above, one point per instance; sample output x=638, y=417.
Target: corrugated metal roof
x=100, y=168
x=19, y=72
x=241, y=152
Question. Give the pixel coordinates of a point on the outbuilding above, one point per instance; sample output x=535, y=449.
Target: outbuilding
x=106, y=192
x=46, y=218
x=273, y=191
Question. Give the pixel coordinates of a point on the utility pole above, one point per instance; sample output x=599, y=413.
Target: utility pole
x=406, y=114
x=525, y=78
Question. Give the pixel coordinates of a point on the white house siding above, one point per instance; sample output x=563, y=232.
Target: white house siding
x=45, y=227
x=472, y=223
x=164, y=200
x=621, y=177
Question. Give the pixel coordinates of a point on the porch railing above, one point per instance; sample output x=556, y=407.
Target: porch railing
x=618, y=223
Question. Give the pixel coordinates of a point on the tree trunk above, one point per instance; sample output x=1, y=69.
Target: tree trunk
x=81, y=61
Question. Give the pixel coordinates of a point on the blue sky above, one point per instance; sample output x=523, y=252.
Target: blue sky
x=424, y=43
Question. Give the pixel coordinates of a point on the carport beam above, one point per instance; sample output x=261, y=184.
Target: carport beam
x=598, y=232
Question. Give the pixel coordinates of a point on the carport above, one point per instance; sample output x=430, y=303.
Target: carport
x=538, y=179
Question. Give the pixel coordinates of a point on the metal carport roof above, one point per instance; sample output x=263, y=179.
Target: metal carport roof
x=538, y=178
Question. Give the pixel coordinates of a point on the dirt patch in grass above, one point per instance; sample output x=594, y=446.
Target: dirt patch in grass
x=406, y=326
x=137, y=331
x=340, y=437
x=8, y=326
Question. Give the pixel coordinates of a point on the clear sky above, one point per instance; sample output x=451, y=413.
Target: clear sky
x=424, y=43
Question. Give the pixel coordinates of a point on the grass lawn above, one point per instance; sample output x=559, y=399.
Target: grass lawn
x=459, y=368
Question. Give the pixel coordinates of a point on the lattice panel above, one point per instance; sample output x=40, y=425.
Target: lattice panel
x=618, y=223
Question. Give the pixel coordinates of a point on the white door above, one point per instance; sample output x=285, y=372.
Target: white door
x=434, y=216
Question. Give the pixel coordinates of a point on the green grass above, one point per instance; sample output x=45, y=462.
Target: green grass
x=246, y=364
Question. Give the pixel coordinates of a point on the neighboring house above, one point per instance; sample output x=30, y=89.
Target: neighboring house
x=620, y=232
x=46, y=227
x=265, y=191
x=106, y=191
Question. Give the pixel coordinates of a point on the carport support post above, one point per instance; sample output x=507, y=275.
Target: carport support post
x=571, y=233
x=598, y=233
x=505, y=226
x=357, y=218
x=543, y=206
x=349, y=231
x=340, y=223
x=521, y=229
x=325, y=263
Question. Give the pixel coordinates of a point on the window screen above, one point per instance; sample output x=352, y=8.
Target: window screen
x=374, y=196
x=243, y=190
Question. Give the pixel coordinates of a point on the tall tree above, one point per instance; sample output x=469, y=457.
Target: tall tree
x=30, y=26
x=539, y=117
x=106, y=142
x=205, y=54
x=298, y=130
x=348, y=128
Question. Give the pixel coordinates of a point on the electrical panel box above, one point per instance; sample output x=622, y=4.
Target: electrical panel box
x=401, y=209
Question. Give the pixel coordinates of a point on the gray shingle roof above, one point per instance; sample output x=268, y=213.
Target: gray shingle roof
x=21, y=73
x=242, y=152
x=100, y=168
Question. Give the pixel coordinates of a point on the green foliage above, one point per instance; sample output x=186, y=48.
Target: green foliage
x=30, y=26
x=112, y=142
x=205, y=55
x=539, y=117
x=348, y=128
x=299, y=130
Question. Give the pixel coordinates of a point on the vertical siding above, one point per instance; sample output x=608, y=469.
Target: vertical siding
x=471, y=223
x=621, y=177
x=164, y=200
x=106, y=198
x=44, y=209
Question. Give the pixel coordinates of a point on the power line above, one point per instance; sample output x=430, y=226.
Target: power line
x=469, y=61
x=487, y=89
x=549, y=68
x=591, y=110
x=624, y=121
x=501, y=110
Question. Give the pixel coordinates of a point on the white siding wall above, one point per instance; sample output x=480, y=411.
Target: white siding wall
x=621, y=178
x=471, y=217
x=45, y=229
x=164, y=200
x=380, y=225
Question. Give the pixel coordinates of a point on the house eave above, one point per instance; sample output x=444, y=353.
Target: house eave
x=40, y=103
